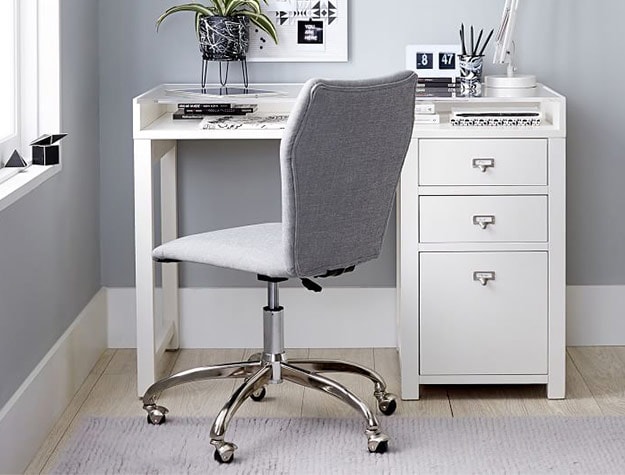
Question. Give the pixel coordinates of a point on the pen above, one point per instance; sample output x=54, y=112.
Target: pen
x=472, y=44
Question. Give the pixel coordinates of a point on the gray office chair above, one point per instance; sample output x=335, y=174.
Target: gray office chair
x=341, y=156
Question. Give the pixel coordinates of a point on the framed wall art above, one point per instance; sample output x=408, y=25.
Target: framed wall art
x=308, y=31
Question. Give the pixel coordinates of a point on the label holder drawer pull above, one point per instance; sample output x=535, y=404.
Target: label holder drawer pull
x=483, y=163
x=483, y=277
x=483, y=221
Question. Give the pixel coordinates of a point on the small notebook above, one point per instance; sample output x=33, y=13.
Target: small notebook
x=249, y=122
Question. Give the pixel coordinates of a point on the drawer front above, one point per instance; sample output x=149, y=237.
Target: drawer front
x=483, y=162
x=472, y=324
x=482, y=219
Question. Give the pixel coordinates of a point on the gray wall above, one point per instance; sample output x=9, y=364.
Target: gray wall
x=50, y=261
x=239, y=185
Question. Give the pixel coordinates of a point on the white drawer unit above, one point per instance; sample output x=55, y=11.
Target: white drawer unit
x=481, y=248
x=483, y=313
x=483, y=218
x=483, y=162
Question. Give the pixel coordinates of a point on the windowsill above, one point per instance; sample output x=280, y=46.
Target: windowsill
x=25, y=181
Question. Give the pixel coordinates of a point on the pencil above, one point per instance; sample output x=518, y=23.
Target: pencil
x=464, y=49
x=477, y=43
x=486, y=42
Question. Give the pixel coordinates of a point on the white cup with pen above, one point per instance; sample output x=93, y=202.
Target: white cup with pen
x=471, y=62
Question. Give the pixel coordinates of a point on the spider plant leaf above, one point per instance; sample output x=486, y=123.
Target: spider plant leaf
x=198, y=17
x=187, y=7
x=221, y=7
x=263, y=22
x=237, y=6
x=255, y=5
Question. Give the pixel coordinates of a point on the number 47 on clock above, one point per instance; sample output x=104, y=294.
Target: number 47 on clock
x=446, y=60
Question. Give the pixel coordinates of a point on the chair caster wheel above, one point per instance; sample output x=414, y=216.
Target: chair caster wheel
x=259, y=395
x=156, y=415
x=378, y=443
x=387, y=404
x=225, y=453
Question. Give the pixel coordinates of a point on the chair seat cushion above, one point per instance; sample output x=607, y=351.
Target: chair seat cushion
x=257, y=248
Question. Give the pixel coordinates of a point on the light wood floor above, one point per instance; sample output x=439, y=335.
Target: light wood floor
x=595, y=387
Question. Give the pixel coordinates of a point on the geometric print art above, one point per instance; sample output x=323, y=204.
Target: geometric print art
x=308, y=31
x=292, y=11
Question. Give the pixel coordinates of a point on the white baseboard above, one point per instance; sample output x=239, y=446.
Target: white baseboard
x=595, y=315
x=232, y=318
x=338, y=317
x=32, y=411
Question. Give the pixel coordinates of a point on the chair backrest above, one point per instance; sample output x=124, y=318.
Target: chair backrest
x=341, y=158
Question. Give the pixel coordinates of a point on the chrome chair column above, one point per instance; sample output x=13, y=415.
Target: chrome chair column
x=273, y=332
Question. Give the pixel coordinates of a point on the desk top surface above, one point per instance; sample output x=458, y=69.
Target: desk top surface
x=191, y=93
x=287, y=93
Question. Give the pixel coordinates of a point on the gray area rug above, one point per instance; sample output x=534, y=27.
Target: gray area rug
x=319, y=446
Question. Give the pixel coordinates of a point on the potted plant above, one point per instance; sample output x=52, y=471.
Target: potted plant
x=222, y=26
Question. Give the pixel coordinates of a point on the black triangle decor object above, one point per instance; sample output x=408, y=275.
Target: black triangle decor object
x=16, y=161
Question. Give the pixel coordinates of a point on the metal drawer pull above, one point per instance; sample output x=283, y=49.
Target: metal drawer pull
x=483, y=277
x=483, y=163
x=484, y=221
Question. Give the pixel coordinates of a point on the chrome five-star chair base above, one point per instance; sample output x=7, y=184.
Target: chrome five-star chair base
x=271, y=366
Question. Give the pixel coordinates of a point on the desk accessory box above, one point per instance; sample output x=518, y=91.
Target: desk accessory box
x=46, y=149
x=496, y=117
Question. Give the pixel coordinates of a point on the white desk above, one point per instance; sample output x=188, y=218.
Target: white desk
x=429, y=250
x=155, y=135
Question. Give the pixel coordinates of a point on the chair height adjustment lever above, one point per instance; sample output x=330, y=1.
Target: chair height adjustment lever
x=311, y=285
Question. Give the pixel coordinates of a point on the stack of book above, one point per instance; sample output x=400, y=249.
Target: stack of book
x=206, y=109
x=437, y=83
x=437, y=87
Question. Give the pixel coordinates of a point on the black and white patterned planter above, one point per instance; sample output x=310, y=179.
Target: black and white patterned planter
x=224, y=38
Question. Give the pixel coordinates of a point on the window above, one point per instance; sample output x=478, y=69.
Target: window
x=9, y=78
x=29, y=76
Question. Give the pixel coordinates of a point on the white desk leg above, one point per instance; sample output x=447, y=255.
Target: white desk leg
x=408, y=276
x=169, y=231
x=556, y=386
x=144, y=270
